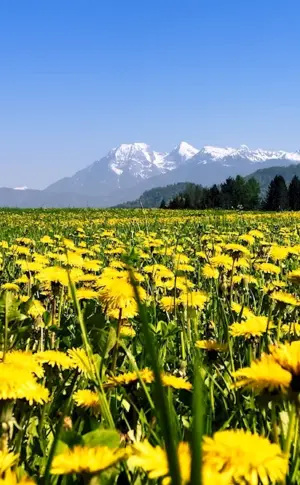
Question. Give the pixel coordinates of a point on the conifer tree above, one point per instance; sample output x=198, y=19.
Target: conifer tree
x=163, y=204
x=294, y=194
x=277, y=196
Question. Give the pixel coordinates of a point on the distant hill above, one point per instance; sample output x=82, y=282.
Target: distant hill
x=27, y=198
x=265, y=175
x=153, y=197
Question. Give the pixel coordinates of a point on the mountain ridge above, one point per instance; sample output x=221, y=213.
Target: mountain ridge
x=123, y=167
x=130, y=169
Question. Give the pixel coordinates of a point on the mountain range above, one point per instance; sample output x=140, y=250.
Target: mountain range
x=131, y=169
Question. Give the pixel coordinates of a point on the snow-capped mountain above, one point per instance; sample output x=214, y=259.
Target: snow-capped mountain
x=123, y=167
x=213, y=154
x=130, y=169
x=181, y=154
x=138, y=158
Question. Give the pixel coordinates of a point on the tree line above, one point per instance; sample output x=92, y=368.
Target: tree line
x=239, y=193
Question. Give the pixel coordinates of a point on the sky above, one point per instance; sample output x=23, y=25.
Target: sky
x=79, y=77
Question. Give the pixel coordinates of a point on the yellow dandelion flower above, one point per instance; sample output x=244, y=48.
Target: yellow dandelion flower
x=36, y=309
x=82, y=459
x=292, y=328
x=244, y=279
x=279, y=253
x=18, y=383
x=56, y=274
x=248, y=458
x=264, y=374
x=176, y=382
x=88, y=278
x=53, y=274
x=87, y=399
x=159, y=269
x=127, y=332
x=211, y=346
x=117, y=264
x=274, y=285
x=46, y=240
x=294, y=276
x=7, y=460
x=188, y=268
x=245, y=312
x=288, y=356
x=201, y=255
x=26, y=241
x=180, y=259
x=284, y=298
x=22, y=280
x=193, y=299
x=247, y=238
x=130, y=311
x=210, y=272
x=24, y=251
x=253, y=327
x=86, y=294
x=256, y=234
x=10, y=478
x=153, y=460
x=91, y=265
x=222, y=261
x=23, y=360
x=54, y=358
x=120, y=296
x=236, y=250
x=10, y=287
x=242, y=263
x=68, y=243
x=41, y=259
x=115, y=251
x=31, y=266
x=82, y=362
x=180, y=283
x=268, y=268
x=167, y=303
x=128, y=378
x=72, y=258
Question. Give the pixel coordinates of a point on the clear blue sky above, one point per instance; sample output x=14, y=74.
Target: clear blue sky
x=78, y=77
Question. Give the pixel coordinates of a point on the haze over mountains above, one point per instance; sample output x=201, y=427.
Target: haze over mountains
x=130, y=169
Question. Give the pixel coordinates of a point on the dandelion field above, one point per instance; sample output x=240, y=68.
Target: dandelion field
x=149, y=347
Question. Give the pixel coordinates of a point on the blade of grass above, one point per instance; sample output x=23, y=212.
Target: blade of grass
x=198, y=425
x=161, y=400
x=47, y=476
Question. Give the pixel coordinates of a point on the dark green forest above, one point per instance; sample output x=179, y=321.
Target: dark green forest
x=239, y=193
x=258, y=191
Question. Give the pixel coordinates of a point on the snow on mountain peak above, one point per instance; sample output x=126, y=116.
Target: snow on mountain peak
x=217, y=153
x=126, y=150
x=213, y=153
x=186, y=150
x=140, y=161
x=137, y=158
x=24, y=187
